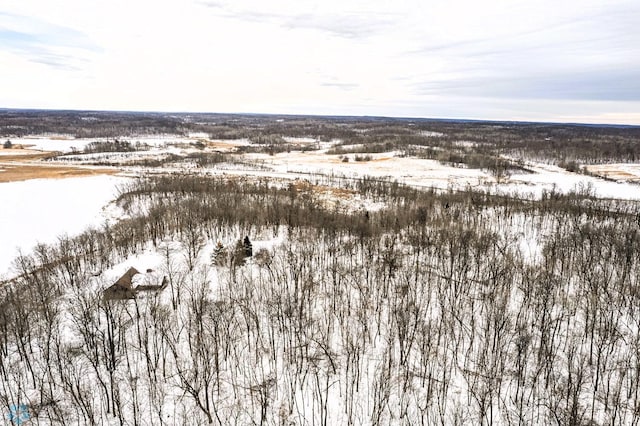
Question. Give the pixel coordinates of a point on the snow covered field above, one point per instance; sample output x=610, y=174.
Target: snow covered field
x=620, y=182
x=547, y=177
x=379, y=310
x=40, y=210
x=52, y=144
x=431, y=173
x=69, y=144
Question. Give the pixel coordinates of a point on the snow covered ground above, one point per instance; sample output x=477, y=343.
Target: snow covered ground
x=70, y=144
x=391, y=165
x=547, y=177
x=431, y=173
x=408, y=170
x=52, y=144
x=618, y=172
x=40, y=210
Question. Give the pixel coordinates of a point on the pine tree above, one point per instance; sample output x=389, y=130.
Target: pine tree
x=248, y=247
x=219, y=255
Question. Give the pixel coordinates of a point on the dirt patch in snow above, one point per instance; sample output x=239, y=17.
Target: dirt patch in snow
x=618, y=172
x=25, y=164
x=305, y=186
x=23, y=155
x=224, y=145
x=18, y=172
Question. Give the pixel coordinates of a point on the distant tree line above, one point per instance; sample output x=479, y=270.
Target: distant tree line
x=547, y=142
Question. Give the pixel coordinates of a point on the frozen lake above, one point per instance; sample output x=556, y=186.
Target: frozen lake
x=40, y=210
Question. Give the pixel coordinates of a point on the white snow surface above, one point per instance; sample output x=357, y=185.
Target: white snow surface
x=53, y=144
x=70, y=144
x=548, y=177
x=292, y=139
x=40, y=210
x=431, y=173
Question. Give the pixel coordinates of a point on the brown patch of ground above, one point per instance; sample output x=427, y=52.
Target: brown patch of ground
x=611, y=171
x=338, y=192
x=221, y=145
x=24, y=164
x=24, y=155
x=19, y=172
x=302, y=185
x=619, y=174
x=17, y=147
x=305, y=186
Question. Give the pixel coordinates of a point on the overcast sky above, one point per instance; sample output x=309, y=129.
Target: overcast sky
x=536, y=60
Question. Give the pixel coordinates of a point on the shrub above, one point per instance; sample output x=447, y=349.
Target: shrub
x=570, y=166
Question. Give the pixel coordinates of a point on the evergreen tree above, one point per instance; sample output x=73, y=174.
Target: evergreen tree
x=219, y=255
x=248, y=247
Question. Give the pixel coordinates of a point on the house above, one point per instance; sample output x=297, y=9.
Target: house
x=123, y=288
x=149, y=281
x=133, y=282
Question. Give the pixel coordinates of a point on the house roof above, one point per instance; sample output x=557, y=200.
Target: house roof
x=134, y=281
x=122, y=288
x=127, y=279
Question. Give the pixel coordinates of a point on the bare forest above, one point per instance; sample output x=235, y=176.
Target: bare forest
x=418, y=307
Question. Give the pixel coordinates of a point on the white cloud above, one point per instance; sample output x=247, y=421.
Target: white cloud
x=459, y=58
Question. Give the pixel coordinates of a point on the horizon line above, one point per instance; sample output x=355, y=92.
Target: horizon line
x=333, y=116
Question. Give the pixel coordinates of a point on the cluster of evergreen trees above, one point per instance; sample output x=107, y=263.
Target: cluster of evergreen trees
x=242, y=250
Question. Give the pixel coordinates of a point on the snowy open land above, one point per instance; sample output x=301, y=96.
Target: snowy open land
x=625, y=172
x=424, y=173
x=430, y=173
x=606, y=180
x=379, y=273
x=41, y=210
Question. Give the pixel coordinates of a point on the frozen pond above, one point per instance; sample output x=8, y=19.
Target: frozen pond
x=40, y=210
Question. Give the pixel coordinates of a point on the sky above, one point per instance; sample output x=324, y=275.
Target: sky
x=542, y=60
